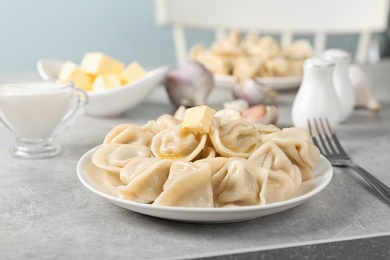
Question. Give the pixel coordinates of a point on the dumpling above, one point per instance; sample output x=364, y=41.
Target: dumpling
x=295, y=67
x=188, y=185
x=266, y=129
x=152, y=127
x=127, y=134
x=162, y=123
x=207, y=152
x=234, y=36
x=144, y=179
x=137, y=166
x=247, y=67
x=216, y=163
x=215, y=63
x=167, y=121
x=177, y=144
x=113, y=157
x=226, y=115
x=239, y=182
x=226, y=47
x=275, y=67
x=269, y=44
x=299, y=50
x=266, y=48
x=237, y=138
x=284, y=178
x=195, y=51
x=250, y=40
x=295, y=143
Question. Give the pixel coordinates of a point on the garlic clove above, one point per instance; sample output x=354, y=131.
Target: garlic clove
x=189, y=85
x=262, y=114
x=254, y=114
x=363, y=83
x=254, y=92
x=373, y=104
x=272, y=115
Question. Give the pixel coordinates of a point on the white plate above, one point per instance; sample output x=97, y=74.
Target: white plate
x=276, y=83
x=93, y=178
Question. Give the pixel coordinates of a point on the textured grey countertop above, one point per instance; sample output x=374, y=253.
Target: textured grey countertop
x=45, y=212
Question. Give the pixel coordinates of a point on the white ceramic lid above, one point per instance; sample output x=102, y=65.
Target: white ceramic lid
x=318, y=63
x=336, y=55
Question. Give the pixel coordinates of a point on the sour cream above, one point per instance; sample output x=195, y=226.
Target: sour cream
x=34, y=110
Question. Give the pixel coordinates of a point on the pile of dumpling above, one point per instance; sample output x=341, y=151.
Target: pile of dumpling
x=253, y=56
x=236, y=163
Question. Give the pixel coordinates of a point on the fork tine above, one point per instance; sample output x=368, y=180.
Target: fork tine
x=321, y=135
x=328, y=133
x=334, y=137
x=314, y=136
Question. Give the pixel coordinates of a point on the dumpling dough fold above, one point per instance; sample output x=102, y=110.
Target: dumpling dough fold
x=188, y=185
x=239, y=183
x=144, y=179
x=237, y=138
x=177, y=144
x=128, y=134
x=113, y=157
x=295, y=143
x=284, y=178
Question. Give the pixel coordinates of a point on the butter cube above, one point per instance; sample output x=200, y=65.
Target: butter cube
x=132, y=73
x=103, y=82
x=70, y=71
x=97, y=63
x=198, y=119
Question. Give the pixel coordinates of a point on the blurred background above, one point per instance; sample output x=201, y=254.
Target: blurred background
x=123, y=29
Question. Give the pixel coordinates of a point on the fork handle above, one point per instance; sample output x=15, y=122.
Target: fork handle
x=379, y=186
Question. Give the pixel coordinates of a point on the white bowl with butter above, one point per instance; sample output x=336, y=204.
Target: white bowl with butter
x=113, y=101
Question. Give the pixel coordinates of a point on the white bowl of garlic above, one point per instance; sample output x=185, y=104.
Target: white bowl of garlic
x=112, y=87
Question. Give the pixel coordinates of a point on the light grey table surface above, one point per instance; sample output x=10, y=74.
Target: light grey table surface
x=46, y=213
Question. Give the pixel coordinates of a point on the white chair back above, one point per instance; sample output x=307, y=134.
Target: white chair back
x=284, y=17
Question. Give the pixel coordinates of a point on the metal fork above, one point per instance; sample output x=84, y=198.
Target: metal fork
x=324, y=137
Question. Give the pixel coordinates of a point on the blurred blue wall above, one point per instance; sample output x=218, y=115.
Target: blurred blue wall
x=67, y=29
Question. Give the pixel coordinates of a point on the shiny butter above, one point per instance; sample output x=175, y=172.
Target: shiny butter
x=198, y=119
x=97, y=63
x=81, y=79
x=132, y=73
x=103, y=82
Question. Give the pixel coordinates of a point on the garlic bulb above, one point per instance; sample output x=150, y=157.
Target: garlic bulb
x=362, y=83
x=261, y=114
x=254, y=92
x=189, y=85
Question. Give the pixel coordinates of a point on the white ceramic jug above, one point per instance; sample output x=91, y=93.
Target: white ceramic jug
x=316, y=97
x=344, y=90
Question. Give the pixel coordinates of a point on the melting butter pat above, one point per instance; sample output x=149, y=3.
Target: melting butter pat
x=133, y=72
x=198, y=119
x=70, y=71
x=104, y=82
x=97, y=63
